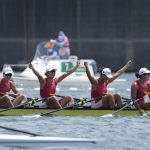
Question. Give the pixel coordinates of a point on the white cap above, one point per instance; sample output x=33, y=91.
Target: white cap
x=8, y=70
x=50, y=69
x=107, y=72
x=143, y=71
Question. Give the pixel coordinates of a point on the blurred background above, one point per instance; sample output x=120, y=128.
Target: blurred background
x=109, y=31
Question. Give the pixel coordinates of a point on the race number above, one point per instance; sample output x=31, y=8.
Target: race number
x=65, y=66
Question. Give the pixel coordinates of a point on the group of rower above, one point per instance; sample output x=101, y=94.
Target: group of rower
x=101, y=99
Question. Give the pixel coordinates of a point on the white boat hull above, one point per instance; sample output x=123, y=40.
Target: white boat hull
x=43, y=141
x=43, y=61
x=62, y=66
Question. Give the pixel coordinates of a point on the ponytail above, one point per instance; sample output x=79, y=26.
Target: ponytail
x=137, y=75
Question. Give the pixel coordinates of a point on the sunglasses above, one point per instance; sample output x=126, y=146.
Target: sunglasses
x=53, y=71
x=8, y=75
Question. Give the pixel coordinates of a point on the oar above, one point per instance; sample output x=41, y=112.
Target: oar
x=128, y=104
x=20, y=131
x=28, y=102
x=83, y=101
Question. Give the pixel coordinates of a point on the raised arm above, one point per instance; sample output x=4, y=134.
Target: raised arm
x=90, y=77
x=70, y=71
x=39, y=76
x=120, y=71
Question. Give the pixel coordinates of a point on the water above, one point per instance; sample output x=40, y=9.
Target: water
x=117, y=133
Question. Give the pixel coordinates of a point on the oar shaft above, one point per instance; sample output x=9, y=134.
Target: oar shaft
x=18, y=106
x=121, y=109
x=44, y=114
x=20, y=131
x=124, y=107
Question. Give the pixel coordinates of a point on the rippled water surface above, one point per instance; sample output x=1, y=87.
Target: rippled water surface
x=117, y=133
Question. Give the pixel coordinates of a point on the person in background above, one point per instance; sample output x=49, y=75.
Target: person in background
x=51, y=52
x=140, y=88
x=48, y=87
x=63, y=43
x=99, y=92
x=8, y=99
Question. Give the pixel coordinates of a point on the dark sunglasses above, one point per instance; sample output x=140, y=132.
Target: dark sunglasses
x=8, y=75
x=53, y=71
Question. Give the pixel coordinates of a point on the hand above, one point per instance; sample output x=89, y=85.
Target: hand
x=30, y=66
x=129, y=63
x=78, y=63
x=85, y=64
x=141, y=112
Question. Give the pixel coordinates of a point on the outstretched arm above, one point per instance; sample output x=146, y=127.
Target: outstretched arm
x=119, y=72
x=39, y=76
x=70, y=71
x=90, y=77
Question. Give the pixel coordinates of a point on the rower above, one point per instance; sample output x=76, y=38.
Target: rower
x=102, y=99
x=8, y=99
x=140, y=88
x=48, y=87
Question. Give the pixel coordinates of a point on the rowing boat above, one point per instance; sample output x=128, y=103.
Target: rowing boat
x=43, y=141
x=68, y=112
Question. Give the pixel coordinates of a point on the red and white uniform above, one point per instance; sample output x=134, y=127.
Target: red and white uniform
x=98, y=93
x=5, y=87
x=49, y=89
x=141, y=90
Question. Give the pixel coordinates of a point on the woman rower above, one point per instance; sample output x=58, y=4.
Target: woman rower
x=140, y=88
x=8, y=99
x=48, y=87
x=102, y=99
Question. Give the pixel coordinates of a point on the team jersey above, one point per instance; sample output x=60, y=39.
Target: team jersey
x=49, y=89
x=141, y=89
x=99, y=91
x=5, y=87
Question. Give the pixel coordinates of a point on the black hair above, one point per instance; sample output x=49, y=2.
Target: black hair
x=100, y=69
x=137, y=75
